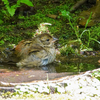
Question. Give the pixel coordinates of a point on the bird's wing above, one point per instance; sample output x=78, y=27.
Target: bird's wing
x=39, y=51
x=35, y=48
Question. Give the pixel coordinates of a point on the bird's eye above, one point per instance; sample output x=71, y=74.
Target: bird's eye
x=47, y=40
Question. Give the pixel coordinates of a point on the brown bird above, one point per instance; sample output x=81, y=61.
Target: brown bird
x=38, y=51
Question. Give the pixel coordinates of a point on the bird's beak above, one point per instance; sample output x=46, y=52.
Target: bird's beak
x=54, y=39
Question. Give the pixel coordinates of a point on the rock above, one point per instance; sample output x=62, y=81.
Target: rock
x=83, y=17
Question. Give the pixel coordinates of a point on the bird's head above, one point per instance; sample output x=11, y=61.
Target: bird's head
x=47, y=39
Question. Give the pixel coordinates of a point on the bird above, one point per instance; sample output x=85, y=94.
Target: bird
x=38, y=51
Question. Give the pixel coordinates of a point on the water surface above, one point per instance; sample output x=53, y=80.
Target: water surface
x=64, y=66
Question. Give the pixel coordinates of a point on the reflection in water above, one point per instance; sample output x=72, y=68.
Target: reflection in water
x=50, y=68
x=75, y=67
x=12, y=74
x=54, y=67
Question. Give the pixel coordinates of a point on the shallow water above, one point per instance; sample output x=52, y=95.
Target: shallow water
x=65, y=66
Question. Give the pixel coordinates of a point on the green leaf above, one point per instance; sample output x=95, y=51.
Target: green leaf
x=27, y=2
x=1, y=21
x=65, y=13
x=11, y=10
x=2, y=42
x=88, y=20
x=6, y=2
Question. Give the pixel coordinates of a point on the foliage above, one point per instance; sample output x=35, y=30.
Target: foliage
x=1, y=42
x=66, y=50
x=64, y=27
x=11, y=10
x=79, y=36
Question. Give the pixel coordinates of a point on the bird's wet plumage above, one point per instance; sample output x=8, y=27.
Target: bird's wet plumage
x=36, y=52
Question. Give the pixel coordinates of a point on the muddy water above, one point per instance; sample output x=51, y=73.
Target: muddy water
x=64, y=66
